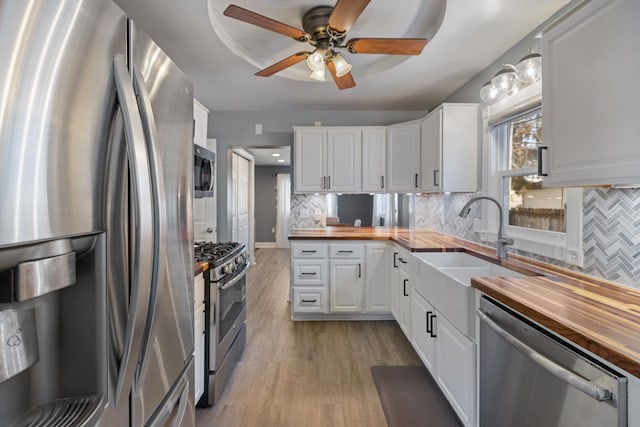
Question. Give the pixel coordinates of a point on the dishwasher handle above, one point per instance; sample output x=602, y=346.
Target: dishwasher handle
x=585, y=386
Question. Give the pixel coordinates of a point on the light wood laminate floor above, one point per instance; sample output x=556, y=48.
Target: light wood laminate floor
x=303, y=373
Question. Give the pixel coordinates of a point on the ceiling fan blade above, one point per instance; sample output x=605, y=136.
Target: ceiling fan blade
x=387, y=46
x=345, y=13
x=344, y=82
x=250, y=17
x=281, y=65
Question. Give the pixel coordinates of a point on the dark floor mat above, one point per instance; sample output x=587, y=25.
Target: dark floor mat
x=411, y=398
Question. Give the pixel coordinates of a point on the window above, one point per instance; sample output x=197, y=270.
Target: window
x=542, y=220
x=528, y=204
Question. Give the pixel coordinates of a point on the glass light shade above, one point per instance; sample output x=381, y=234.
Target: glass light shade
x=315, y=61
x=490, y=94
x=504, y=80
x=318, y=74
x=342, y=66
x=529, y=69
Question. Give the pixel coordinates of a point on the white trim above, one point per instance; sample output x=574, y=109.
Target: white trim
x=265, y=245
x=567, y=246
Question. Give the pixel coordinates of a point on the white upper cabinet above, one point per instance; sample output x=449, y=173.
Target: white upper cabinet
x=449, y=152
x=344, y=147
x=200, y=119
x=327, y=159
x=403, y=157
x=374, y=160
x=310, y=160
x=591, y=96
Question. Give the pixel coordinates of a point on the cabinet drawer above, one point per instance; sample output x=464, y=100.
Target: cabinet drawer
x=311, y=272
x=310, y=300
x=309, y=250
x=198, y=290
x=337, y=251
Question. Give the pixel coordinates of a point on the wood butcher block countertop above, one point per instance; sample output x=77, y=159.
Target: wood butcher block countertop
x=200, y=267
x=600, y=316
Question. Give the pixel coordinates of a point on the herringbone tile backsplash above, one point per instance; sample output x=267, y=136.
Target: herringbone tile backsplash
x=611, y=234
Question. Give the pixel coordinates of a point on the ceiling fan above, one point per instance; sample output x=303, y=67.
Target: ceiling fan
x=325, y=28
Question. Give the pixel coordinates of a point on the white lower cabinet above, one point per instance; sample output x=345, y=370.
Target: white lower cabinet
x=447, y=353
x=422, y=336
x=403, y=287
x=198, y=334
x=455, y=367
x=378, y=291
x=339, y=280
x=347, y=285
x=312, y=299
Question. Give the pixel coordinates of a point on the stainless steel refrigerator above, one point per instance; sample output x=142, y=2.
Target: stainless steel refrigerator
x=96, y=243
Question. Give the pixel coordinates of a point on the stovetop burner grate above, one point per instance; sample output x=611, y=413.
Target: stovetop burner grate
x=214, y=252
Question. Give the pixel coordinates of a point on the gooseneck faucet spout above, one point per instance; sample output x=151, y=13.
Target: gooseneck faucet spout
x=503, y=241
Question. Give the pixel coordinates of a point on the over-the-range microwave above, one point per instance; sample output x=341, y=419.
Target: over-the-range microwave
x=204, y=172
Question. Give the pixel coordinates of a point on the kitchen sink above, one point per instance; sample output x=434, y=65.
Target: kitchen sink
x=462, y=267
x=444, y=279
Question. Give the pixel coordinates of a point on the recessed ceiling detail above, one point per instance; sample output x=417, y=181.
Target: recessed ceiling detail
x=417, y=19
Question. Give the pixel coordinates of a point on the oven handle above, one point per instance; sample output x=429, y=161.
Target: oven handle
x=235, y=279
x=587, y=387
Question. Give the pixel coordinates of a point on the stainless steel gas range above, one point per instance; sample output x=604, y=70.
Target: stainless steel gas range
x=225, y=312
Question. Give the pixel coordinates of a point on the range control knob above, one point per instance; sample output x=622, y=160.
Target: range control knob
x=227, y=269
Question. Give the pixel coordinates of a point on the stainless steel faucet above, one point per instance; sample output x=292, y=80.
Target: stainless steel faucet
x=503, y=241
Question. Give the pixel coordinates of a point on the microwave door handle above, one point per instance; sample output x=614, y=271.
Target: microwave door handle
x=159, y=206
x=142, y=200
x=212, y=171
x=587, y=387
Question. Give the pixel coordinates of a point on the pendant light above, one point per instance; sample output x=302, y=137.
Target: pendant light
x=529, y=68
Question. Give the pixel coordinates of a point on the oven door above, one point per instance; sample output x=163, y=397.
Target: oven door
x=230, y=312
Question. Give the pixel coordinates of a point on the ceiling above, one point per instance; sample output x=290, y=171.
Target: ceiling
x=463, y=40
x=271, y=156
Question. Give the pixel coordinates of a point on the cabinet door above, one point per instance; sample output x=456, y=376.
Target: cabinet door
x=347, y=285
x=374, y=160
x=198, y=350
x=378, y=289
x=403, y=157
x=344, y=157
x=590, y=93
x=392, y=262
x=310, y=160
x=431, y=138
x=404, y=288
x=455, y=368
x=200, y=119
x=422, y=334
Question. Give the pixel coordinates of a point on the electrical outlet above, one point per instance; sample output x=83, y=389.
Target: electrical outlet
x=304, y=213
x=273, y=229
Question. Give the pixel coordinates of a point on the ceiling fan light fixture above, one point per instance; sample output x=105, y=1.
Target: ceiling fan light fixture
x=315, y=61
x=342, y=66
x=318, y=75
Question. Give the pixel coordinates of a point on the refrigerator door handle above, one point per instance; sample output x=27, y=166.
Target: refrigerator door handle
x=143, y=231
x=159, y=207
x=180, y=397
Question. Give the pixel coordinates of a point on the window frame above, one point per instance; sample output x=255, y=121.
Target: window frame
x=566, y=247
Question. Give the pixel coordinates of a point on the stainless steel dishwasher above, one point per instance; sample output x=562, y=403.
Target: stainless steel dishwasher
x=529, y=377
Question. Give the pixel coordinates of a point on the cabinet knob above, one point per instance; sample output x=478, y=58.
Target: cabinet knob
x=209, y=230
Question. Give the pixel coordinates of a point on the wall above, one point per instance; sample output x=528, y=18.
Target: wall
x=237, y=128
x=266, y=200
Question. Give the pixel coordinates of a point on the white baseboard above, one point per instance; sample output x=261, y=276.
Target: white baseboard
x=265, y=245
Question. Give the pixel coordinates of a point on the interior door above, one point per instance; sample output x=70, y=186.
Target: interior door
x=240, y=195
